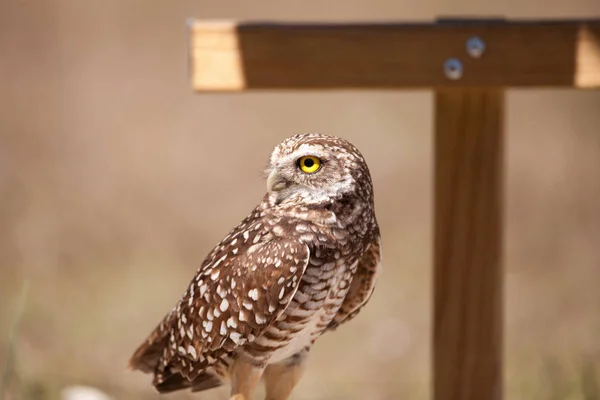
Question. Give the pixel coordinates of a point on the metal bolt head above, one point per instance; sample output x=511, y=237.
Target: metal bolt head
x=453, y=69
x=475, y=47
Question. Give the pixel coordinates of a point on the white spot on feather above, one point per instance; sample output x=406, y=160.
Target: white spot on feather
x=259, y=318
x=219, y=261
x=192, y=352
x=235, y=337
x=253, y=294
x=203, y=289
x=232, y=323
x=215, y=274
x=224, y=305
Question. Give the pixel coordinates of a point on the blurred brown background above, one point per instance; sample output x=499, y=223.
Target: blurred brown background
x=116, y=180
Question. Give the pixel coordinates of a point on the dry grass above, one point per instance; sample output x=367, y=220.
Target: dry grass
x=9, y=358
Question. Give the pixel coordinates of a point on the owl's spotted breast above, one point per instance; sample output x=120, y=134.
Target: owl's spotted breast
x=320, y=294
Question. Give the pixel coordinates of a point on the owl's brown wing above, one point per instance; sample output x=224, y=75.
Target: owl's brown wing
x=362, y=286
x=242, y=288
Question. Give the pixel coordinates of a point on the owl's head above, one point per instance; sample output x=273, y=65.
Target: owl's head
x=316, y=168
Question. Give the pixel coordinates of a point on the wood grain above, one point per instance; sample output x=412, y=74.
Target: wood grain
x=467, y=338
x=230, y=56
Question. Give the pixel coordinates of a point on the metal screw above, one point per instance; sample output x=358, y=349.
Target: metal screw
x=475, y=47
x=453, y=69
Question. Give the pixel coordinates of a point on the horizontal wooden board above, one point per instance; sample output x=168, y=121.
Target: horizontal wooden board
x=233, y=56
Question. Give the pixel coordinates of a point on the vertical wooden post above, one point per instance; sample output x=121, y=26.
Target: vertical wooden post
x=467, y=342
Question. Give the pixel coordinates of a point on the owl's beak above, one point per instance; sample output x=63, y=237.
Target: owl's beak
x=276, y=182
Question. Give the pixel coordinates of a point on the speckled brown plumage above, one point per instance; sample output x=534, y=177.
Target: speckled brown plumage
x=302, y=263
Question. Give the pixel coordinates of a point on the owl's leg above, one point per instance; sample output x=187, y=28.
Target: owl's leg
x=281, y=378
x=245, y=375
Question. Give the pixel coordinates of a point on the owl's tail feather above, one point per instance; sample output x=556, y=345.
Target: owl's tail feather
x=148, y=355
x=148, y=358
x=175, y=381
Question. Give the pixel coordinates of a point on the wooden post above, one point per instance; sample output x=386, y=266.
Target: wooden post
x=467, y=339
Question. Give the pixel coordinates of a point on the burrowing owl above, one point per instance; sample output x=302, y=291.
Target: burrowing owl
x=303, y=262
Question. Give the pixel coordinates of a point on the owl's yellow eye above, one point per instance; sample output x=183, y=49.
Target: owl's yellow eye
x=309, y=164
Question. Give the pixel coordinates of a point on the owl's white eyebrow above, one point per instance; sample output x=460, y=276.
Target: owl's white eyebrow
x=298, y=154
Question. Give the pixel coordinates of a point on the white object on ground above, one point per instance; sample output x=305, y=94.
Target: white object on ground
x=83, y=393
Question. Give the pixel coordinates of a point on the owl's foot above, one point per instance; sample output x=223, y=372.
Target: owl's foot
x=244, y=378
